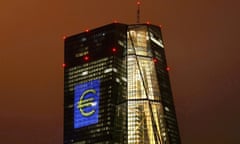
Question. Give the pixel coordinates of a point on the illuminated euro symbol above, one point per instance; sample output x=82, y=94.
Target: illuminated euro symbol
x=89, y=102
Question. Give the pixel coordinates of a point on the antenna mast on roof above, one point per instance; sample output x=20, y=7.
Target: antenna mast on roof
x=138, y=11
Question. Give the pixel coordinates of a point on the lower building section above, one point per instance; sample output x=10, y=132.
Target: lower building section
x=144, y=122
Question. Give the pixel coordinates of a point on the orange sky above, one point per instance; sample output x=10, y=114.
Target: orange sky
x=202, y=48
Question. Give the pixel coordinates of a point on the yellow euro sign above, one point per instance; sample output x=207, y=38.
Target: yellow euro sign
x=86, y=103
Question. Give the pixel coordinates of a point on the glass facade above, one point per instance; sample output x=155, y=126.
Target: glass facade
x=135, y=104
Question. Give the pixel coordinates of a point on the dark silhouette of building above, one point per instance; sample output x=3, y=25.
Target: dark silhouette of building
x=117, y=88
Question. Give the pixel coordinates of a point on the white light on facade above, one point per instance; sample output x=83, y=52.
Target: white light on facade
x=157, y=42
x=84, y=73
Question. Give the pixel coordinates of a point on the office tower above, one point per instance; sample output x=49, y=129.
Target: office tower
x=117, y=88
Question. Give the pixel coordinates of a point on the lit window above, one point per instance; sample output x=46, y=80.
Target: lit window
x=166, y=108
x=108, y=70
x=117, y=80
x=84, y=73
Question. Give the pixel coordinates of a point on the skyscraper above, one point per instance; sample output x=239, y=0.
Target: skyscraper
x=117, y=88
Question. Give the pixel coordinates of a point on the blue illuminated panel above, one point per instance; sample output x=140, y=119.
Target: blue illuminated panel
x=86, y=103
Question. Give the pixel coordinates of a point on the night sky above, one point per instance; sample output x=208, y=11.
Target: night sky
x=202, y=42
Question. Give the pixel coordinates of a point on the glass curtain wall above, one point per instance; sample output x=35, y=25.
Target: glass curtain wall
x=144, y=107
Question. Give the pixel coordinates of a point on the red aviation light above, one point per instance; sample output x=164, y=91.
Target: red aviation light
x=64, y=65
x=115, y=21
x=138, y=2
x=64, y=37
x=86, y=58
x=168, y=68
x=114, y=50
x=87, y=30
x=148, y=22
x=155, y=60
